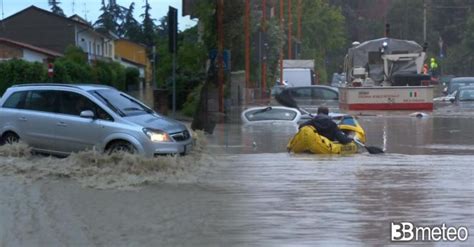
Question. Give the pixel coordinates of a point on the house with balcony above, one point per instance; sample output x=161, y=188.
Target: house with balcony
x=44, y=29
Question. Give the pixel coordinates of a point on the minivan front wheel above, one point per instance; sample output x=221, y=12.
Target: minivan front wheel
x=121, y=146
x=10, y=138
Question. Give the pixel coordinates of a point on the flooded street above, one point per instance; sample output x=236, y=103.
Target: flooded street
x=249, y=191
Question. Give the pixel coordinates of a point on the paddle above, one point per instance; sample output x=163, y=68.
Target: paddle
x=370, y=149
x=285, y=99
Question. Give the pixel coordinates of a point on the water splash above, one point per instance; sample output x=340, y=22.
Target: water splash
x=119, y=170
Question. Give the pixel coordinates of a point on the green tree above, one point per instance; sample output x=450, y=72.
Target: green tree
x=162, y=28
x=130, y=28
x=55, y=7
x=148, y=26
x=106, y=21
x=323, y=33
x=468, y=37
x=406, y=20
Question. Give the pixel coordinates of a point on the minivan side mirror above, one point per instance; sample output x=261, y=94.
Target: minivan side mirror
x=87, y=114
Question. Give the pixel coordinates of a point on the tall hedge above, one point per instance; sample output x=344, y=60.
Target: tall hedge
x=18, y=71
x=72, y=68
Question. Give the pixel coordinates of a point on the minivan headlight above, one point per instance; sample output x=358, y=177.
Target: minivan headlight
x=157, y=135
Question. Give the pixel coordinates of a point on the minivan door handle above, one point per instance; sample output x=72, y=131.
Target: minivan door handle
x=62, y=124
x=22, y=119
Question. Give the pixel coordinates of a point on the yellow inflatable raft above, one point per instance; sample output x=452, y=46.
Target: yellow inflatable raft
x=307, y=140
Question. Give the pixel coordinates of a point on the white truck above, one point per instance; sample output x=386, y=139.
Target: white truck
x=385, y=74
x=297, y=73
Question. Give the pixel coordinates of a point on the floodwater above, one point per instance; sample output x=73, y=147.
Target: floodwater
x=242, y=188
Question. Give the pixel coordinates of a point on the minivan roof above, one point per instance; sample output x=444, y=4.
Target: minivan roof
x=84, y=87
x=463, y=79
x=466, y=88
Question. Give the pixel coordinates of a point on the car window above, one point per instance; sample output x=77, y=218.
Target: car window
x=455, y=84
x=466, y=94
x=270, y=114
x=327, y=94
x=42, y=100
x=74, y=104
x=302, y=93
x=16, y=100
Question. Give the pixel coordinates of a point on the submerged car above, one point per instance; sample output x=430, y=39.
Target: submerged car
x=63, y=118
x=270, y=114
x=458, y=82
x=464, y=97
x=313, y=96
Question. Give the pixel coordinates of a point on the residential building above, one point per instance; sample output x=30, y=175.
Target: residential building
x=131, y=54
x=47, y=30
x=10, y=49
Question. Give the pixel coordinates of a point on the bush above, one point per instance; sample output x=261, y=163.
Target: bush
x=110, y=73
x=18, y=71
x=61, y=74
x=72, y=68
x=132, y=77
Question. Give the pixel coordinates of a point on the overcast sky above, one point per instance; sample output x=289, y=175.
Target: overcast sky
x=91, y=8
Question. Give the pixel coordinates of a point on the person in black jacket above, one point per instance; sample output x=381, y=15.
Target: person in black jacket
x=325, y=126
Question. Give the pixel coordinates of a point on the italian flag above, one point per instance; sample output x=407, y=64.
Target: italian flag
x=413, y=94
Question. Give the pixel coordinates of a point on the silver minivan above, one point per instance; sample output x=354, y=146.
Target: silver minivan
x=65, y=118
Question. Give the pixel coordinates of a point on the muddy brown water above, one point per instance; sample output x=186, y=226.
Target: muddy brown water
x=246, y=190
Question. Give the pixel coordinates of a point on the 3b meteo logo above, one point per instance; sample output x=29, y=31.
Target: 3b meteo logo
x=406, y=231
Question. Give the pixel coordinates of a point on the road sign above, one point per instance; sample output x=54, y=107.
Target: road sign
x=50, y=70
x=226, y=58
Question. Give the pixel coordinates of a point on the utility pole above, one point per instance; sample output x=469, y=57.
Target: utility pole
x=264, y=52
x=424, y=20
x=220, y=51
x=281, y=49
x=299, y=21
x=298, y=33
x=153, y=71
x=172, y=36
x=290, y=26
x=247, y=46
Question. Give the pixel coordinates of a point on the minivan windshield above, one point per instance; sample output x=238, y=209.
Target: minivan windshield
x=121, y=103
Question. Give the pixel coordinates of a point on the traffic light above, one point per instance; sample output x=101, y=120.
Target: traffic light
x=173, y=29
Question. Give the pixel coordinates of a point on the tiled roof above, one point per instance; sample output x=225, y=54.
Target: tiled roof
x=31, y=47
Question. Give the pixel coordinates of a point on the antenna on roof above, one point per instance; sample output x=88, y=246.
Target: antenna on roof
x=85, y=11
x=2, y=10
x=73, y=5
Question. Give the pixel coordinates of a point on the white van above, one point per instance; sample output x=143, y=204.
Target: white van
x=298, y=77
